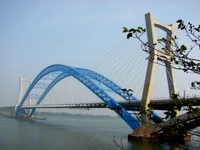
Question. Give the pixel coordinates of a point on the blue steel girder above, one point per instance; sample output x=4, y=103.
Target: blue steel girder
x=51, y=76
x=113, y=86
x=41, y=85
x=35, y=96
x=117, y=89
x=56, y=80
x=88, y=73
x=105, y=88
x=131, y=121
x=35, y=81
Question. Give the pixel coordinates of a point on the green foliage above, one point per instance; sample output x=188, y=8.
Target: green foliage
x=125, y=30
x=181, y=24
x=133, y=31
x=129, y=35
x=179, y=55
x=170, y=114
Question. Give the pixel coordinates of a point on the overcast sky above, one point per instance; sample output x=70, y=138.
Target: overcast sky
x=37, y=33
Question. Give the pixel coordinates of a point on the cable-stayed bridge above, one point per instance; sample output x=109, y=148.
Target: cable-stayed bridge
x=108, y=93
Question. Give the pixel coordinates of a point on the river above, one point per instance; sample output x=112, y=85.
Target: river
x=70, y=132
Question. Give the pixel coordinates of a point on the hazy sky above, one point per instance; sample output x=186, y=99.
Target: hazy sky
x=37, y=33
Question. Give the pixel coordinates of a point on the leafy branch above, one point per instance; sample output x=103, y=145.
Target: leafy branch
x=178, y=55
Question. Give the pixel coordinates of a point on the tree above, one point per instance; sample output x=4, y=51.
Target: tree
x=181, y=59
x=180, y=53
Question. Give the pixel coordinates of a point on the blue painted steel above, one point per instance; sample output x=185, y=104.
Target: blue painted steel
x=117, y=89
x=132, y=122
x=41, y=85
x=56, y=80
x=35, y=96
x=113, y=86
x=51, y=76
x=84, y=76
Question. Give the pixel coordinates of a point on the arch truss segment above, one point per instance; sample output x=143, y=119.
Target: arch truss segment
x=82, y=76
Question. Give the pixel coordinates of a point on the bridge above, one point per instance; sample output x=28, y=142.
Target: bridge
x=133, y=106
x=108, y=92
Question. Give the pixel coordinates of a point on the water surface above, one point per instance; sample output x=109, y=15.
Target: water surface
x=69, y=133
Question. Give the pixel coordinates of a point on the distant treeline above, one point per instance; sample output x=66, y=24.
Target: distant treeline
x=63, y=114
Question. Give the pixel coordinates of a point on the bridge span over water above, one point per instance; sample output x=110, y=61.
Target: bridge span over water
x=132, y=106
x=131, y=103
x=104, y=89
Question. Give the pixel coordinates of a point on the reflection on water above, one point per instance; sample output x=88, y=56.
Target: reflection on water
x=72, y=132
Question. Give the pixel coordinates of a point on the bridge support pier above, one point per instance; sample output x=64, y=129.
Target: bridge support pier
x=142, y=134
x=154, y=54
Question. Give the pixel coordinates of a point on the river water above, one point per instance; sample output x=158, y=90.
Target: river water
x=78, y=132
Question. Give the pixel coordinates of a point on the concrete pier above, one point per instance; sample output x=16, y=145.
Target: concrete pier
x=142, y=134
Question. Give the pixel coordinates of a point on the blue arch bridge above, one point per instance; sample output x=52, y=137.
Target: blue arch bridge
x=102, y=87
x=94, y=81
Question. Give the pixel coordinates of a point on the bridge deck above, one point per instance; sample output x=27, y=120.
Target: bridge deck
x=133, y=105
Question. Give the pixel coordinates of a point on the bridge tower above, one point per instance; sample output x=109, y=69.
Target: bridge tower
x=154, y=57
x=22, y=91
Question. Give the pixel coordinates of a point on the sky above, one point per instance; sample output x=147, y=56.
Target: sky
x=37, y=33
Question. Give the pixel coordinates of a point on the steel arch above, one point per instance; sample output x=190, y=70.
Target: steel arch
x=132, y=122
x=50, y=86
x=113, y=86
x=93, y=75
x=117, y=89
